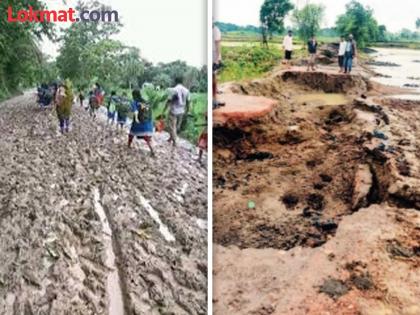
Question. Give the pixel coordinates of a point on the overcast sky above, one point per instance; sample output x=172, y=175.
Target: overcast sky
x=395, y=14
x=164, y=30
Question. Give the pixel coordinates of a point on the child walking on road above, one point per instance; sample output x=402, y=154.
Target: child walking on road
x=202, y=143
x=142, y=125
x=112, y=107
x=122, y=109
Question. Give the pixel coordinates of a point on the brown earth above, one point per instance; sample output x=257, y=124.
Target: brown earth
x=296, y=190
x=53, y=248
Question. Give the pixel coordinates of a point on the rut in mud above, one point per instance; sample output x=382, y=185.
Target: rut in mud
x=69, y=203
x=313, y=161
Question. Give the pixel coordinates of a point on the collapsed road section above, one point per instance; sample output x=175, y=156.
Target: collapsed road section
x=316, y=202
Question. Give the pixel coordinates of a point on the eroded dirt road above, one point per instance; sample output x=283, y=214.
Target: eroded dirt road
x=69, y=202
x=316, y=204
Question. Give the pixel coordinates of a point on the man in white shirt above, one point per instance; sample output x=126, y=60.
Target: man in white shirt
x=288, y=47
x=341, y=52
x=217, y=61
x=217, y=39
x=178, y=102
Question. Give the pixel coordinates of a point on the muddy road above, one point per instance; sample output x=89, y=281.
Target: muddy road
x=88, y=226
x=316, y=203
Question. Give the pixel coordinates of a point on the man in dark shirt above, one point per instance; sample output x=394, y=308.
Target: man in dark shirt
x=312, y=48
x=350, y=54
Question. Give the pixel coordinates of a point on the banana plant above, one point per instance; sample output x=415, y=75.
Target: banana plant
x=155, y=98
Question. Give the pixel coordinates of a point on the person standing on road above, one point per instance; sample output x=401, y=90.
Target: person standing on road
x=217, y=63
x=350, y=54
x=93, y=104
x=178, y=103
x=81, y=97
x=312, y=49
x=341, y=52
x=288, y=48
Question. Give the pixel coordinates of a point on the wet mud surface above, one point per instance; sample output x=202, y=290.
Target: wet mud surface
x=55, y=249
x=324, y=155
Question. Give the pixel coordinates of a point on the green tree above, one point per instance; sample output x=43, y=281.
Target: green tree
x=162, y=80
x=20, y=57
x=359, y=21
x=308, y=20
x=418, y=23
x=131, y=66
x=80, y=39
x=272, y=14
x=382, y=33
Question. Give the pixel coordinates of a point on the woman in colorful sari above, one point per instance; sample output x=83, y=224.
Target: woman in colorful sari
x=142, y=125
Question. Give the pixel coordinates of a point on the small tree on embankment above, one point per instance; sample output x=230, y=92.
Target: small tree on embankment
x=308, y=20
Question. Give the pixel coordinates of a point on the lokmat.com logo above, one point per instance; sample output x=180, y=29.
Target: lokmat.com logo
x=69, y=15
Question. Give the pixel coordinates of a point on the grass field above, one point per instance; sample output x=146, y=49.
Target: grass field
x=245, y=58
x=250, y=60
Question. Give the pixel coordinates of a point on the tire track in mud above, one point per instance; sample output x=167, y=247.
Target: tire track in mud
x=61, y=175
x=114, y=288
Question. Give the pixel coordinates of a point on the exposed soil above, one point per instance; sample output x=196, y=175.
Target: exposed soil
x=52, y=241
x=330, y=158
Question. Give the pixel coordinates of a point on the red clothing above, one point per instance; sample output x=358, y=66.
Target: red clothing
x=202, y=141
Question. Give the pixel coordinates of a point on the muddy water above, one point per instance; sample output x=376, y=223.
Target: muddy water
x=116, y=304
x=408, y=71
x=325, y=99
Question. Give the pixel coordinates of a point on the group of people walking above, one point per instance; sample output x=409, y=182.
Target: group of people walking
x=120, y=108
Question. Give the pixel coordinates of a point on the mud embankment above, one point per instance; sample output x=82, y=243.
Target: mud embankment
x=285, y=183
x=55, y=251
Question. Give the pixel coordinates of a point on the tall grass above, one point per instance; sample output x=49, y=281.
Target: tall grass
x=195, y=122
x=197, y=118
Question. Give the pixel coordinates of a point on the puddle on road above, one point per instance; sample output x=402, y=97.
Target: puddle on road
x=116, y=304
x=163, y=229
x=322, y=99
x=407, y=97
